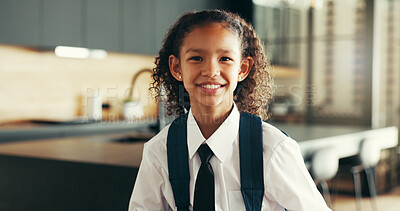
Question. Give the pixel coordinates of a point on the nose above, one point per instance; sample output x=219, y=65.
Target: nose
x=211, y=69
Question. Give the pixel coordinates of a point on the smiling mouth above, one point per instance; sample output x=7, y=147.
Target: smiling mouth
x=210, y=86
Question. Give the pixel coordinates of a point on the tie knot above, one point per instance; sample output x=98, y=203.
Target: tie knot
x=205, y=153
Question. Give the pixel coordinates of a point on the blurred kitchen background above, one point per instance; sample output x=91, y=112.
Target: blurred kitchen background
x=75, y=108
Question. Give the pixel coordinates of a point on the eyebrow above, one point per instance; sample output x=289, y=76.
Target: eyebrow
x=198, y=50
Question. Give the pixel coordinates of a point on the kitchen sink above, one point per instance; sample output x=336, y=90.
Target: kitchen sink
x=130, y=139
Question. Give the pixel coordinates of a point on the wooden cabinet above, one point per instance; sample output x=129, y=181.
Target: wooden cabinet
x=20, y=22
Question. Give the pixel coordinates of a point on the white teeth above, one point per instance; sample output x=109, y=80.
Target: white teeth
x=211, y=86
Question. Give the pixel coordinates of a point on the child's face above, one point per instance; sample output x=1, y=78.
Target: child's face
x=210, y=66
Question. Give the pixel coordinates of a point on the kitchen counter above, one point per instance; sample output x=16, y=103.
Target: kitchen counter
x=21, y=131
x=346, y=139
x=94, y=172
x=99, y=149
x=75, y=173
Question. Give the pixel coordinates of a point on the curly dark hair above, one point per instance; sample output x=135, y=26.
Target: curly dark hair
x=251, y=95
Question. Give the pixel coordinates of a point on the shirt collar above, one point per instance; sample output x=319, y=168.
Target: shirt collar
x=223, y=137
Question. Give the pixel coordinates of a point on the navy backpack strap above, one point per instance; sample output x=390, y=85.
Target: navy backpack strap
x=251, y=161
x=178, y=162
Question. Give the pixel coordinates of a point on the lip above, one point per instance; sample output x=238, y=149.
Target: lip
x=210, y=87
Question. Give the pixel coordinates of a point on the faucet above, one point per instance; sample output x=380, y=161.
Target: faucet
x=135, y=77
x=162, y=118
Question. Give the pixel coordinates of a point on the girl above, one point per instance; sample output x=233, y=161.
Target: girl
x=212, y=64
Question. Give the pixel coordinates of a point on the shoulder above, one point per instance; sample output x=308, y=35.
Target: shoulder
x=272, y=136
x=275, y=140
x=155, y=149
x=159, y=138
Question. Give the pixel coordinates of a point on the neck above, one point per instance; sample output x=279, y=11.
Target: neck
x=209, y=119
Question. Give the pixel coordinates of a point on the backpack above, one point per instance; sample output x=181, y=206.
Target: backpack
x=251, y=161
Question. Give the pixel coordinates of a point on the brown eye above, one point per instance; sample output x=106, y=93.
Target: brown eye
x=224, y=59
x=196, y=58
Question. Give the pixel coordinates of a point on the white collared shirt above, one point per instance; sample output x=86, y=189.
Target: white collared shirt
x=287, y=182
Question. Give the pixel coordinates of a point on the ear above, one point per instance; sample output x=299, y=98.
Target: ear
x=245, y=67
x=175, y=68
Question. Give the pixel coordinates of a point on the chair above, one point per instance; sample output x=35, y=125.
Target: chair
x=324, y=166
x=369, y=157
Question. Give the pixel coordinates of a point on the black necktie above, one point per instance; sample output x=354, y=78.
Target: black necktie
x=204, y=191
